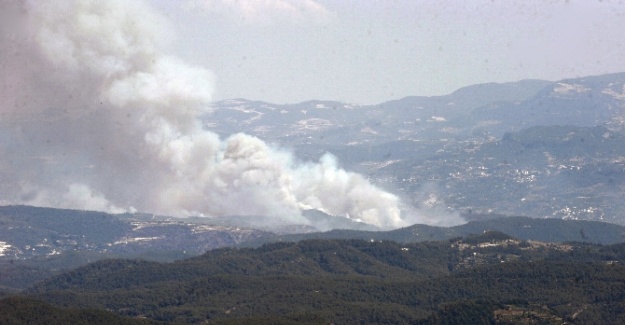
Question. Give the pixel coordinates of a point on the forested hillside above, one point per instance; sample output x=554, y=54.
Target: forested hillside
x=481, y=279
x=22, y=310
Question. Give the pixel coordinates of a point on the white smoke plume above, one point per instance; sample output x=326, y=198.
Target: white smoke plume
x=95, y=116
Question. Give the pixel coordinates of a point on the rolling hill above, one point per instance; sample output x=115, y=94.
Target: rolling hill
x=482, y=278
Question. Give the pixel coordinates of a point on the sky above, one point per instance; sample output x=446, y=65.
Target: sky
x=367, y=52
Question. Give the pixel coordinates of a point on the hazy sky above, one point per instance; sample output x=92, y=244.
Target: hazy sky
x=95, y=116
x=371, y=51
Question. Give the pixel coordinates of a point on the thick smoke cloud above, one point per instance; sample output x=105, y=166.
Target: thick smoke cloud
x=95, y=116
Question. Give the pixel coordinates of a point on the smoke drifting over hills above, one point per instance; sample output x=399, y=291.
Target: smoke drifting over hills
x=95, y=116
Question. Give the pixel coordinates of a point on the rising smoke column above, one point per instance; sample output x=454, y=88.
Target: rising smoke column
x=95, y=116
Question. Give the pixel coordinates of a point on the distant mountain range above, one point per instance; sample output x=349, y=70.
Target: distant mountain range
x=475, y=110
x=536, y=148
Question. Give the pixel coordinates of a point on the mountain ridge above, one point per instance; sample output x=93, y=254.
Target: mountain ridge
x=523, y=228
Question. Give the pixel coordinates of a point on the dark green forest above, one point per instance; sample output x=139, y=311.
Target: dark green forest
x=21, y=310
x=489, y=278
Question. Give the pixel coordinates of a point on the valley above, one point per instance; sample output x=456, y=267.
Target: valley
x=517, y=197
x=536, y=148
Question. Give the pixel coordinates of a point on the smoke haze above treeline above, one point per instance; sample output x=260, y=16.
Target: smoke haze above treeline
x=95, y=116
